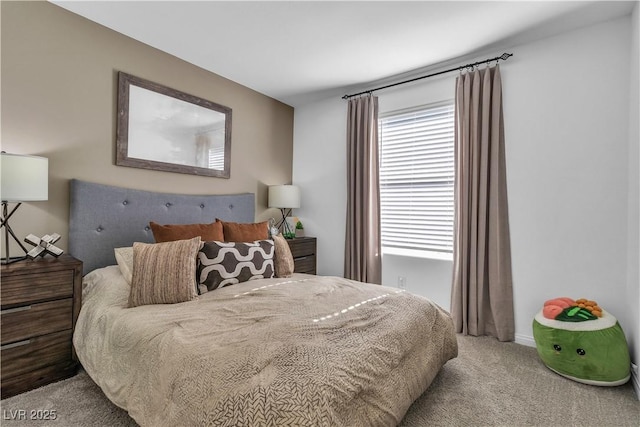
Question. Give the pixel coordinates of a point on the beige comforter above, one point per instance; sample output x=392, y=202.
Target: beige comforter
x=305, y=351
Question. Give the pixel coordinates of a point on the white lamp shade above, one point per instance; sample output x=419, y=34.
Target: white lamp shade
x=24, y=178
x=284, y=196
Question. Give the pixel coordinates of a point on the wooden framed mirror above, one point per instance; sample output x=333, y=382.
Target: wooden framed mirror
x=164, y=129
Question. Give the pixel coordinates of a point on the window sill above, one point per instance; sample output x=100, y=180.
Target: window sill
x=443, y=256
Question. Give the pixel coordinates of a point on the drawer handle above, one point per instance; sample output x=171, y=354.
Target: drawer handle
x=17, y=309
x=301, y=258
x=15, y=344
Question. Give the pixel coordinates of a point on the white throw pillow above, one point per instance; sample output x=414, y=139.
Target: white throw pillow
x=124, y=257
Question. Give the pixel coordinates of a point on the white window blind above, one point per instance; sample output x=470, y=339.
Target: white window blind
x=216, y=158
x=416, y=178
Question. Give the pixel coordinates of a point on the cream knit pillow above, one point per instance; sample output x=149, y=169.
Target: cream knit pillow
x=283, y=259
x=124, y=258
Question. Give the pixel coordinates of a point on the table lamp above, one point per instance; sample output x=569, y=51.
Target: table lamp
x=285, y=198
x=24, y=179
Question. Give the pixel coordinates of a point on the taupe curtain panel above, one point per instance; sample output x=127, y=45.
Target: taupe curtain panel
x=481, y=295
x=362, y=246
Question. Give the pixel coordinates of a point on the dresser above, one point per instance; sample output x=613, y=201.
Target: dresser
x=40, y=302
x=303, y=250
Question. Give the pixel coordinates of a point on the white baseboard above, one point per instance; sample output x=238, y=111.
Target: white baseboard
x=636, y=382
x=525, y=340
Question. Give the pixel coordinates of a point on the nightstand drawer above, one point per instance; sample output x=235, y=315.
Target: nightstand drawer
x=25, y=356
x=303, y=250
x=305, y=264
x=37, y=378
x=32, y=320
x=303, y=247
x=25, y=288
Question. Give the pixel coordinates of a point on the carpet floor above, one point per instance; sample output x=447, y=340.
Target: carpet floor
x=488, y=384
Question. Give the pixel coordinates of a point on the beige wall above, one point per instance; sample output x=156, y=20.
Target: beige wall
x=59, y=81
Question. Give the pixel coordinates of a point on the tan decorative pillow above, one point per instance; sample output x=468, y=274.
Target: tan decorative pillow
x=283, y=259
x=172, y=232
x=164, y=273
x=124, y=258
x=250, y=232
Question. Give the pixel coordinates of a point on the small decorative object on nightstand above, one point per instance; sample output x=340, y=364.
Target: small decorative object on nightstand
x=303, y=250
x=43, y=246
x=40, y=304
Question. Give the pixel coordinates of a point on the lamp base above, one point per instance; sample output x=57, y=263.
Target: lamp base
x=8, y=231
x=7, y=261
x=287, y=232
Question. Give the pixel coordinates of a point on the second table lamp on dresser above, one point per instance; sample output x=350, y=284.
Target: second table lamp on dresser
x=285, y=198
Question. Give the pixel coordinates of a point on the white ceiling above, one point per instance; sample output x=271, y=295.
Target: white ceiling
x=297, y=51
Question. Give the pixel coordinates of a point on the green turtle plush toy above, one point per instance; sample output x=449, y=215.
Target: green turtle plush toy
x=580, y=341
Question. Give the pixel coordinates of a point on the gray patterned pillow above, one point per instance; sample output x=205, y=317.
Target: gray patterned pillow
x=225, y=263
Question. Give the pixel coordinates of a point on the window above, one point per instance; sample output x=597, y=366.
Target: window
x=416, y=181
x=216, y=158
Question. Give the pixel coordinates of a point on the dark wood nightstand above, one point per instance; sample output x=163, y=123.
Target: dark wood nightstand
x=40, y=304
x=303, y=250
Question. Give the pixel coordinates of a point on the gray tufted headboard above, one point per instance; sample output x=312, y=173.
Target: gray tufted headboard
x=103, y=217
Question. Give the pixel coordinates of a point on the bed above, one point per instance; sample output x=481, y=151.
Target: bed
x=303, y=350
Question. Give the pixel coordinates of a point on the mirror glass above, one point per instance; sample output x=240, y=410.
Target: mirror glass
x=163, y=129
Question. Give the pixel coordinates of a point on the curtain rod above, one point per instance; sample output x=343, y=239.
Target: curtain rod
x=503, y=57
